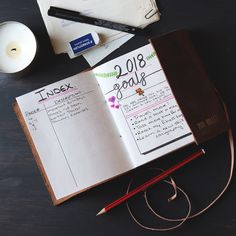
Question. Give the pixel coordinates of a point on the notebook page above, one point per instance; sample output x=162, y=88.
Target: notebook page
x=143, y=105
x=74, y=134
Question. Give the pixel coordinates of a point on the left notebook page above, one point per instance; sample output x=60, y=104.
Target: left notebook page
x=74, y=135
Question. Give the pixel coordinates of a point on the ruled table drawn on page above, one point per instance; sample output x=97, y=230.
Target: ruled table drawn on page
x=74, y=133
x=59, y=109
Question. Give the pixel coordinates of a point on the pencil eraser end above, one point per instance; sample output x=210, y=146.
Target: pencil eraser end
x=78, y=46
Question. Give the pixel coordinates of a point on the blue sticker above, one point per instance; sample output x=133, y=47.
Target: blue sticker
x=83, y=43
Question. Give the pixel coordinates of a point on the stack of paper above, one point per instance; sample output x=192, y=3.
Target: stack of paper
x=130, y=12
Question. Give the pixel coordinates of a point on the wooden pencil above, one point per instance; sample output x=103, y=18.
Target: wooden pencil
x=152, y=181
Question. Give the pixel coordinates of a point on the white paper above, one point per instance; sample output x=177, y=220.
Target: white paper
x=131, y=12
x=143, y=105
x=74, y=134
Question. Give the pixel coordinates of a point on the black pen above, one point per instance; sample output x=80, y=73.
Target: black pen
x=76, y=16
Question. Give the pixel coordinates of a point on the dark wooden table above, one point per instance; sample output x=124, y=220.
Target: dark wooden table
x=25, y=206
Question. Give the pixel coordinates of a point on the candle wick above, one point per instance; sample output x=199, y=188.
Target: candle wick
x=13, y=49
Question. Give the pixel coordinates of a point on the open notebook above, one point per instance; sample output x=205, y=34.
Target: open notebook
x=98, y=124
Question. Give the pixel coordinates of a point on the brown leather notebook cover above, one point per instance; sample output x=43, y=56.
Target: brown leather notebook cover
x=193, y=91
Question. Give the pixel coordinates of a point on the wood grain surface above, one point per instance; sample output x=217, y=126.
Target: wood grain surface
x=25, y=205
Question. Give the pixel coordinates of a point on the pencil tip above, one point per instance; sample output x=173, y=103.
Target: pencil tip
x=101, y=212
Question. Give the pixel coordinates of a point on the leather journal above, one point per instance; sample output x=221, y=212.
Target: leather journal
x=89, y=128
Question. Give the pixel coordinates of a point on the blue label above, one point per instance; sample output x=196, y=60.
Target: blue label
x=81, y=44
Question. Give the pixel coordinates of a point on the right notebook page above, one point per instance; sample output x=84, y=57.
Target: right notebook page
x=142, y=104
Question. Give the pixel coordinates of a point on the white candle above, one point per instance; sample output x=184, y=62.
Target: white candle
x=18, y=47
